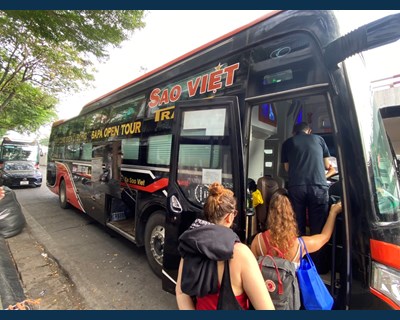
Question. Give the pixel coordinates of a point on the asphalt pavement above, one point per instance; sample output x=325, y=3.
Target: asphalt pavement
x=64, y=260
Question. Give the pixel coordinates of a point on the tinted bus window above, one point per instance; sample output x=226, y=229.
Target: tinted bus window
x=130, y=149
x=159, y=149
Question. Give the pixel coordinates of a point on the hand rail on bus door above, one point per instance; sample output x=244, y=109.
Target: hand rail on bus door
x=132, y=194
x=333, y=199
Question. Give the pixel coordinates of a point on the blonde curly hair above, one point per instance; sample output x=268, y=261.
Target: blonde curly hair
x=282, y=221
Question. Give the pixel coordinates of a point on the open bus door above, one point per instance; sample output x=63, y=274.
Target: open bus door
x=285, y=105
x=206, y=148
x=372, y=35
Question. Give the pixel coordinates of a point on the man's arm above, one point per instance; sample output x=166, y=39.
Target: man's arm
x=328, y=166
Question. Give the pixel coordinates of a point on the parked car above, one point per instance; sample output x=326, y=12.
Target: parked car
x=20, y=173
x=12, y=220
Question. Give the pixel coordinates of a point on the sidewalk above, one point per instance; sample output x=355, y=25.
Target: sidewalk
x=11, y=290
x=28, y=271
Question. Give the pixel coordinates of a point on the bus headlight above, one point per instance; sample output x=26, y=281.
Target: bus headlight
x=386, y=280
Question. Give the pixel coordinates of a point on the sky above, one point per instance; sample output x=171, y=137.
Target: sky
x=170, y=34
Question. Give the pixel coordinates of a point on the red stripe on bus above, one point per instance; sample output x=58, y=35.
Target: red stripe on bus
x=155, y=186
x=384, y=298
x=385, y=253
x=63, y=172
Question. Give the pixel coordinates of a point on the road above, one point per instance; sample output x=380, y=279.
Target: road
x=110, y=272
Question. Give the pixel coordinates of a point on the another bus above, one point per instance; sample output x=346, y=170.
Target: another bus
x=139, y=159
x=13, y=149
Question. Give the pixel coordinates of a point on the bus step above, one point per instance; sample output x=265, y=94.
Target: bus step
x=126, y=228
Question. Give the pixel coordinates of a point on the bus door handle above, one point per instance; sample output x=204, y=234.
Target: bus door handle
x=175, y=209
x=175, y=205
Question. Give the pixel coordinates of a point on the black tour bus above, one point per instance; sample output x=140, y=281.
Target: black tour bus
x=139, y=159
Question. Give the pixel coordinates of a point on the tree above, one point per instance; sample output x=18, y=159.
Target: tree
x=29, y=109
x=46, y=53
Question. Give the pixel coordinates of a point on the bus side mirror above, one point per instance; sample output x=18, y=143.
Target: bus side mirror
x=374, y=34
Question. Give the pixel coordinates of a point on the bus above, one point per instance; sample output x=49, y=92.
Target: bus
x=139, y=159
x=25, y=149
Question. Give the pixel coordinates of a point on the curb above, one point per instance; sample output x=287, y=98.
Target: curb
x=62, y=259
x=11, y=290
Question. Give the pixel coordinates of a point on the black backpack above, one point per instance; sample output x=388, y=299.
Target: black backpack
x=281, y=281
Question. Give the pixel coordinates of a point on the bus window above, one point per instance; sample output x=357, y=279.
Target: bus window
x=130, y=149
x=126, y=111
x=204, y=153
x=97, y=118
x=159, y=149
x=86, y=153
x=73, y=152
x=385, y=175
x=20, y=149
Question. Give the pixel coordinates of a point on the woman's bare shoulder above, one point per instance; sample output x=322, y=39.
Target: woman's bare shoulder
x=242, y=249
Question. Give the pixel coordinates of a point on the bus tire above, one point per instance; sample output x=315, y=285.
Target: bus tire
x=154, y=237
x=62, y=195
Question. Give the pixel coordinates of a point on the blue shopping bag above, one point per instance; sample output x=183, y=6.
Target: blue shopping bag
x=315, y=295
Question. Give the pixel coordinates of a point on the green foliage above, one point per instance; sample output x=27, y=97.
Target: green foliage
x=29, y=109
x=46, y=53
x=89, y=31
x=44, y=141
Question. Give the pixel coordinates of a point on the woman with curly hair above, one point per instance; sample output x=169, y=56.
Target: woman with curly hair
x=206, y=248
x=282, y=230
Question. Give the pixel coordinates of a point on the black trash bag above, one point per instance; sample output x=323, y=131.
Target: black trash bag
x=12, y=220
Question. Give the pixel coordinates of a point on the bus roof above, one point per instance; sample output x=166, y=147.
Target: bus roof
x=20, y=141
x=190, y=53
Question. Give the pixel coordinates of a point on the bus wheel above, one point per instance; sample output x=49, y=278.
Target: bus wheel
x=154, y=237
x=62, y=195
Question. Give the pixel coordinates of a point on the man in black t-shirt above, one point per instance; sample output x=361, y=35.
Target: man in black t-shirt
x=306, y=157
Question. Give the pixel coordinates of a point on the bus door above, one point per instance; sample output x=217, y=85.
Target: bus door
x=206, y=148
x=279, y=110
x=272, y=117
x=97, y=192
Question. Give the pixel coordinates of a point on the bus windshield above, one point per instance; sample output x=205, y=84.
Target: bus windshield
x=385, y=177
x=20, y=150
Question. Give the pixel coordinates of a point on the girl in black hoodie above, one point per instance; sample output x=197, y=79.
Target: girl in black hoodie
x=205, y=246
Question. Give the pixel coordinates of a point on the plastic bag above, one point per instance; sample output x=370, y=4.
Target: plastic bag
x=12, y=220
x=314, y=293
x=257, y=198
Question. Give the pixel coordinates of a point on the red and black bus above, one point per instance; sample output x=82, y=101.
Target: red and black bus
x=139, y=159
